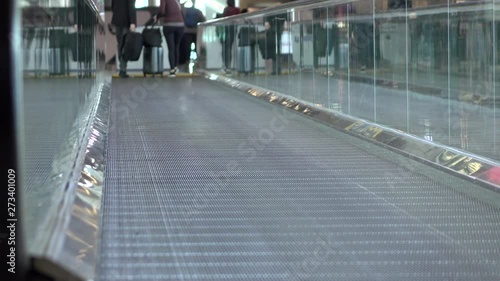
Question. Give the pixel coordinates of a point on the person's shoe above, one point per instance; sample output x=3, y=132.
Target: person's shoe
x=123, y=74
x=228, y=72
x=172, y=73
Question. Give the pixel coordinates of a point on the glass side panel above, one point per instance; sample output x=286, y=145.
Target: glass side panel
x=427, y=68
x=63, y=56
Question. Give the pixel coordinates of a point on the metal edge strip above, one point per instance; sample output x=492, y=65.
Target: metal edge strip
x=71, y=252
x=474, y=168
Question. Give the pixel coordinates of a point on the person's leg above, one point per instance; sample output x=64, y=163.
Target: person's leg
x=191, y=39
x=184, y=50
x=194, y=39
x=229, y=49
x=226, y=53
x=121, y=63
x=178, y=33
x=277, y=61
x=169, y=37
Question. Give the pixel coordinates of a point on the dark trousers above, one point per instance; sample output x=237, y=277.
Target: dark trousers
x=185, y=48
x=120, y=33
x=278, y=59
x=173, y=35
x=362, y=45
x=227, y=48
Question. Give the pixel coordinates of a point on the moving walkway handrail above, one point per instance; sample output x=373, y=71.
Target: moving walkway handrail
x=272, y=10
x=318, y=3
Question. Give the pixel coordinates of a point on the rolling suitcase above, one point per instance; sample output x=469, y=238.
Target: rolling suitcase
x=153, y=61
x=132, y=46
x=246, y=61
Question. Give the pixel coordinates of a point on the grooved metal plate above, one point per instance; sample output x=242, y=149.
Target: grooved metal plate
x=49, y=112
x=204, y=183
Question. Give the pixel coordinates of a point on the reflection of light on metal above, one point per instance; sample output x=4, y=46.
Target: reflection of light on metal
x=471, y=168
x=81, y=213
x=446, y=156
x=88, y=184
x=464, y=138
x=427, y=134
x=76, y=238
x=335, y=106
x=85, y=185
x=341, y=24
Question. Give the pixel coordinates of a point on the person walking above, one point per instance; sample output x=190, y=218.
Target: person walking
x=170, y=16
x=276, y=26
x=124, y=20
x=229, y=35
x=192, y=16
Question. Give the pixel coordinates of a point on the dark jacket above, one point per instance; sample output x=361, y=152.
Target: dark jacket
x=84, y=16
x=170, y=12
x=230, y=11
x=277, y=22
x=124, y=13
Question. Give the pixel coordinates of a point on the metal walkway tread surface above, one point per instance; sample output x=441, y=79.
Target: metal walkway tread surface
x=205, y=183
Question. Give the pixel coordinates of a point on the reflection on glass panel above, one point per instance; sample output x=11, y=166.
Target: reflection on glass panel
x=63, y=51
x=428, y=73
x=320, y=58
x=337, y=58
x=423, y=67
x=390, y=56
x=361, y=59
x=247, y=64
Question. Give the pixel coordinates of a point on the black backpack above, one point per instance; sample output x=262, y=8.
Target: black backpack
x=132, y=46
x=191, y=18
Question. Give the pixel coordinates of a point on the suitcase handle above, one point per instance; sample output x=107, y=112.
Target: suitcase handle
x=149, y=24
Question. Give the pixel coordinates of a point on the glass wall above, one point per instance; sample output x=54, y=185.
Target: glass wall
x=63, y=62
x=428, y=68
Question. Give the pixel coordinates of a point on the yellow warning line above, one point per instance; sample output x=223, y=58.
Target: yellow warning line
x=50, y=76
x=165, y=75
